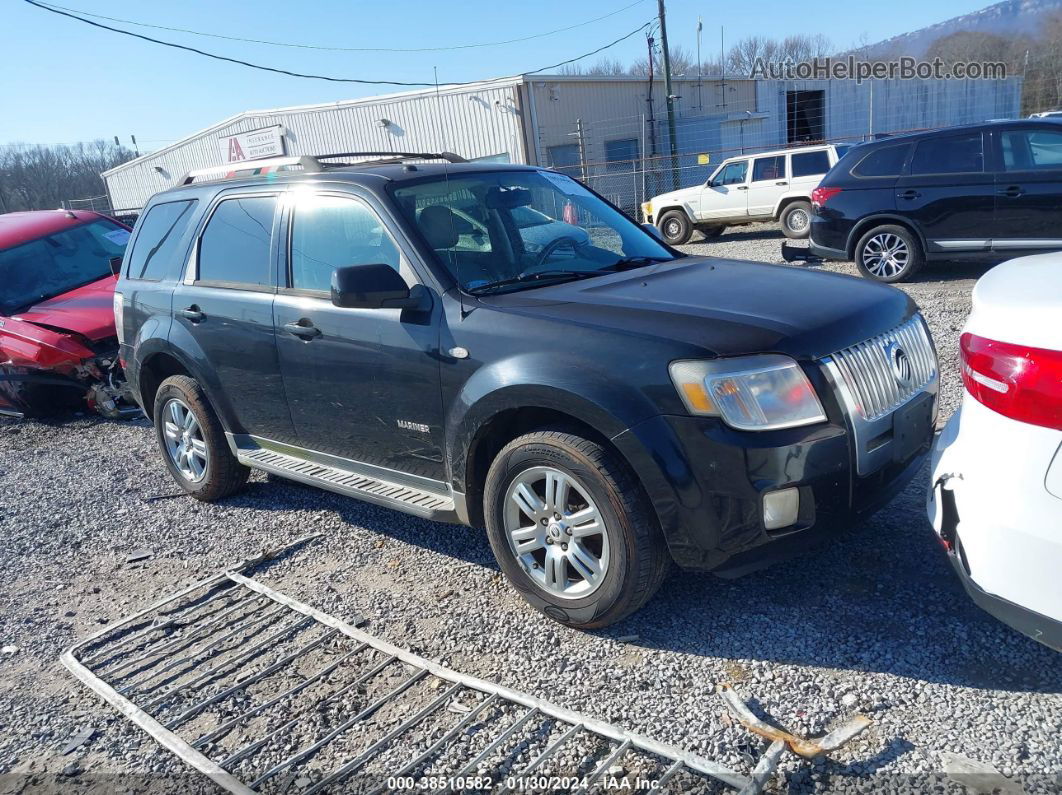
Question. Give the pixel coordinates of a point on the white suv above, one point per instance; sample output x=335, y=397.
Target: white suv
x=746, y=189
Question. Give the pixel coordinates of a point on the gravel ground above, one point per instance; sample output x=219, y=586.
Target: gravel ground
x=875, y=622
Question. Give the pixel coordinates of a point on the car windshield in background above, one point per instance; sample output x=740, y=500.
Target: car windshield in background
x=57, y=263
x=509, y=230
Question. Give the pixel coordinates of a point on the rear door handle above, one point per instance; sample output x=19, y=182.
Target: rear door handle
x=1011, y=191
x=908, y=194
x=303, y=329
x=192, y=313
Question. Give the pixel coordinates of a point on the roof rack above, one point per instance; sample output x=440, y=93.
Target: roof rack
x=308, y=163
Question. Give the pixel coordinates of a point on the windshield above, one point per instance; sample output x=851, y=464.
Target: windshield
x=511, y=230
x=52, y=265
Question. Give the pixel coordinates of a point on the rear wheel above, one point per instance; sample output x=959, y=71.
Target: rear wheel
x=676, y=228
x=889, y=254
x=796, y=220
x=193, y=443
x=572, y=530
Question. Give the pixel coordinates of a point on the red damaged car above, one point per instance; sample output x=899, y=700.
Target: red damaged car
x=58, y=346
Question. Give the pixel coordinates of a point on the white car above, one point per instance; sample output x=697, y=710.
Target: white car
x=995, y=496
x=742, y=190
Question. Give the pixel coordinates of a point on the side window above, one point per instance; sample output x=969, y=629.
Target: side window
x=733, y=173
x=955, y=154
x=884, y=162
x=234, y=247
x=806, y=164
x=330, y=232
x=765, y=168
x=156, y=242
x=1026, y=150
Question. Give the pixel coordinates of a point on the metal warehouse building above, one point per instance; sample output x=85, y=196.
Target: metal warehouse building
x=610, y=131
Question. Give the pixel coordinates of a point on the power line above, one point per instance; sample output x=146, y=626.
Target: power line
x=53, y=6
x=319, y=77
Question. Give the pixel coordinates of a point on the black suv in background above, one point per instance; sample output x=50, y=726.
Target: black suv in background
x=498, y=345
x=981, y=192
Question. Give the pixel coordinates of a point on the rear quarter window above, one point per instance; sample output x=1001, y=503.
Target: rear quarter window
x=155, y=248
x=806, y=164
x=885, y=162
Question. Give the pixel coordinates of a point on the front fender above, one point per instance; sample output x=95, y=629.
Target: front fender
x=540, y=381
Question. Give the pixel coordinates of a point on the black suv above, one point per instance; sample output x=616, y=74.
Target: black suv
x=498, y=345
x=983, y=192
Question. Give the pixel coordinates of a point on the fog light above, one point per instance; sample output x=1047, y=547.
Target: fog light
x=780, y=508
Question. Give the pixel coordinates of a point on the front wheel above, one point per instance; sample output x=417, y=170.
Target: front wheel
x=676, y=228
x=572, y=530
x=193, y=442
x=796, y=220
x=889, y=254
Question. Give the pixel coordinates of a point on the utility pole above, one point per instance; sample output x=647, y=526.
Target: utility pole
x=670, y=96
x=700, y=100
x=649, y=99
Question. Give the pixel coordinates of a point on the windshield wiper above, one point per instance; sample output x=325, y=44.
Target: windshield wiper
x=628, y=263
x=525, y=278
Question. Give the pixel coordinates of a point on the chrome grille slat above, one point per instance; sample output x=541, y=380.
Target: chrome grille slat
x=867, y=372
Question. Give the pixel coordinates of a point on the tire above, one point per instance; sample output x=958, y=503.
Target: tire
x=627, y=547
x=195, y=453
x=874, y=260
x=711, y=232
x=675, y=226
x=796, y=220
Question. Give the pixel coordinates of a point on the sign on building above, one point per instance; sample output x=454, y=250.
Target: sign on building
x=263, y=142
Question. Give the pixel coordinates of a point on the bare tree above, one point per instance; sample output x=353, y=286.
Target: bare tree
x=38, y=177
x=683, y=64
x=605, y=66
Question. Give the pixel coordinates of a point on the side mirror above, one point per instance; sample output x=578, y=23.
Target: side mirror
x=116, y=266
x=376, y=286
x=652, y=229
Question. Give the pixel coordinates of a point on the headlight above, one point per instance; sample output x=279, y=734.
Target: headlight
x=750, y=393
x=647, y=209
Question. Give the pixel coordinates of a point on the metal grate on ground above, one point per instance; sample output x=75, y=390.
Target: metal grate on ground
x=265, y=694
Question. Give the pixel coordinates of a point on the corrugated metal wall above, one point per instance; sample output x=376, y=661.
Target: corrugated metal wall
x=474, y=121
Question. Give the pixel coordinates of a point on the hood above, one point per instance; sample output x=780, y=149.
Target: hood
x=680, y=196
x=86, y=310
x=725, y=307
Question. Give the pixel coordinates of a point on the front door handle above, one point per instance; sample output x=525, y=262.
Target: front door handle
x=1011, y=191
x=742, y=187
x=192, y=313
x=908, y=194
x=783, y=182
x=303, y=329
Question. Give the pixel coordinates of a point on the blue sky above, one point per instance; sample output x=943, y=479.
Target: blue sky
x=66, y=81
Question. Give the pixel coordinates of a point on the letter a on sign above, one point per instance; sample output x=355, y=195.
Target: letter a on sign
x=235, y=152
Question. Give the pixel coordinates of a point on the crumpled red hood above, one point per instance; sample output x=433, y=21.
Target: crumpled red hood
x=88, y=310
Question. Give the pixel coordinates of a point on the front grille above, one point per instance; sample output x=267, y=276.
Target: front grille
x=872, y=370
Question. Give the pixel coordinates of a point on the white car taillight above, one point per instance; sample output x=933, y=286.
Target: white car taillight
x=119, y=316
x=1017, y=381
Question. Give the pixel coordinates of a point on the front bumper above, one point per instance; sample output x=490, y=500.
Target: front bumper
x=707, y=482
x=1002, y=528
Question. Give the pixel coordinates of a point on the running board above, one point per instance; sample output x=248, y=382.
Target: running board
x=352, y=484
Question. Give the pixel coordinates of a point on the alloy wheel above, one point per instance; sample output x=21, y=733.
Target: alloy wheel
x=184, y=440
x=886, y=255
x=556, y=532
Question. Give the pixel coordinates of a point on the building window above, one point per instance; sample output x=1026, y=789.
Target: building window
x=564, y=158
x=621, y=154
